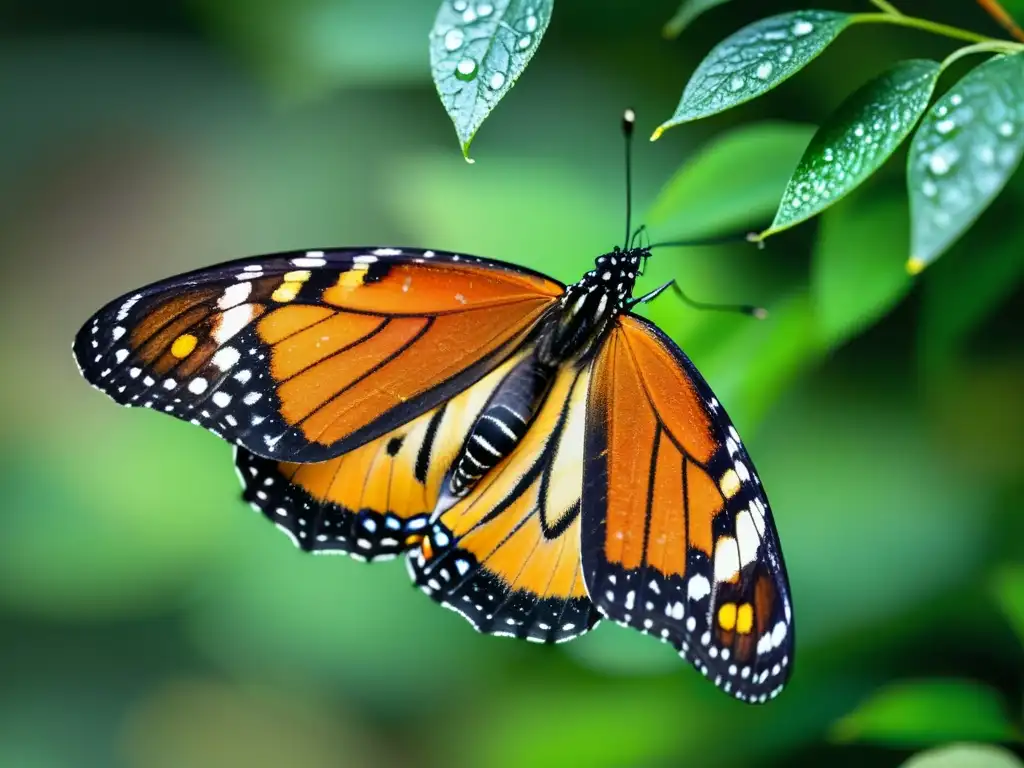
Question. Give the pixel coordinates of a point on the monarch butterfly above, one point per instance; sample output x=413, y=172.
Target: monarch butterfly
x=543, y=456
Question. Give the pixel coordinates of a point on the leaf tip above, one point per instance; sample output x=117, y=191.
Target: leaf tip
x=658, y=131
x=915, y=265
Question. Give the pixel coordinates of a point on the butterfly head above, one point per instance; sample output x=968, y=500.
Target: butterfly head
x=610, y=283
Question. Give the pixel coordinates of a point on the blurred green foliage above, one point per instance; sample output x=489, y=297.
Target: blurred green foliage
x=149, y=618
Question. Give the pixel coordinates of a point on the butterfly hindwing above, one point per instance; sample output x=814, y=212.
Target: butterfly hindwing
x=506, y=556
x=678, y=537
x=304, y=356
x=374, y=501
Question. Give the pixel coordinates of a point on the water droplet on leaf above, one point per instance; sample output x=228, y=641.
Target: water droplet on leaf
x=802, y=28
x=955, y=99
x=764, y=69
x=460, y=5
x=484, y=9
x=858, y=131
x=531, y=23
x=497, y=80
x=469, y=16
x=787, y=53
x=466, y=69
x=928, y=188
x=524, y=42
x=941, y=111
x=1005, y=128
x=453, y=39
x=942, y=160
x=945, y=126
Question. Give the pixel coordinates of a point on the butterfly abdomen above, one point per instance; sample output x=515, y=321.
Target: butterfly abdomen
x=501, y=425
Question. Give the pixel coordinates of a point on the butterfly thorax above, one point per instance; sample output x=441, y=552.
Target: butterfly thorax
x=588, y=306
x=568, y=334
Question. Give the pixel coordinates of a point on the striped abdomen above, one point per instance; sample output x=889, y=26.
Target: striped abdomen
x=500, y=426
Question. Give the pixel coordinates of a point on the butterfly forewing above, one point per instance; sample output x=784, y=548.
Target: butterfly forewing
x=678, y=538
x=302, y=357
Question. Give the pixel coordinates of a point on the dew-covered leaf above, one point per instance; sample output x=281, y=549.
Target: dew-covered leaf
x=928, y=712
x=964, y=756
x=478, y=50
x=855, y=141
x=754, y=60
x=969, y=144
x=734, y=181
x=857, y=273
x=684, y=17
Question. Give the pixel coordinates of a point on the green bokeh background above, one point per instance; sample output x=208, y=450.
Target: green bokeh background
x=149, y=618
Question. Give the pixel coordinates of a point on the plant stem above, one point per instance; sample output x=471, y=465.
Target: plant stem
x=923, y=24
x=994, y=46
x=1002, y=17
x=885, y=7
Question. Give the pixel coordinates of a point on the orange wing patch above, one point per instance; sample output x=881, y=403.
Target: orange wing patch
x=678, y=537
x=507, y=555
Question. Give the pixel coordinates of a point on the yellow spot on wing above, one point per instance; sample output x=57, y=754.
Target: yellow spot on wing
x=183, y=345
x=353, y=278
x=730, y=483
x=286, y=291
x=299, y=276
x=727, y=616
x=745, y=619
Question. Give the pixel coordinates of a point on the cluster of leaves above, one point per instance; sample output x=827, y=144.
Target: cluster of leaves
x=966, y=145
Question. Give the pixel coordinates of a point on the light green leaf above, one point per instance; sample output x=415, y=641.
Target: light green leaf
x=1009, y=589
x=855, y=141
x=967, y=147
x=964, y=756
x=688, y=11
x=754, y=60
x=857, y=273
x=928, y=712
x=478, y=51
x=734, y=181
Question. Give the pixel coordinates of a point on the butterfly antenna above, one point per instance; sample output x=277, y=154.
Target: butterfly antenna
x=628, y=121
x=748, y=237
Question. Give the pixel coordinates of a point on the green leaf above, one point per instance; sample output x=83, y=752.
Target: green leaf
x=967, y=147
x=855, y=141
x=964, y=756
x=1009, y=589
x=755, y=60
x=961, y=292
x=857, y=274
x=688, y=11
x=928, y=712
x=734, y=181
x=478, y=51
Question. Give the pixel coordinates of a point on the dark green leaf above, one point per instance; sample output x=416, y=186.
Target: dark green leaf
x=962, y=291
x=928, y=712
x=477, y=52
x=967, y=147
x=857, y=274
x=734, y=181
x=688, y=11
x=964, y=756
x=1009, y=589
x=755, y=60
x=855, y=141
